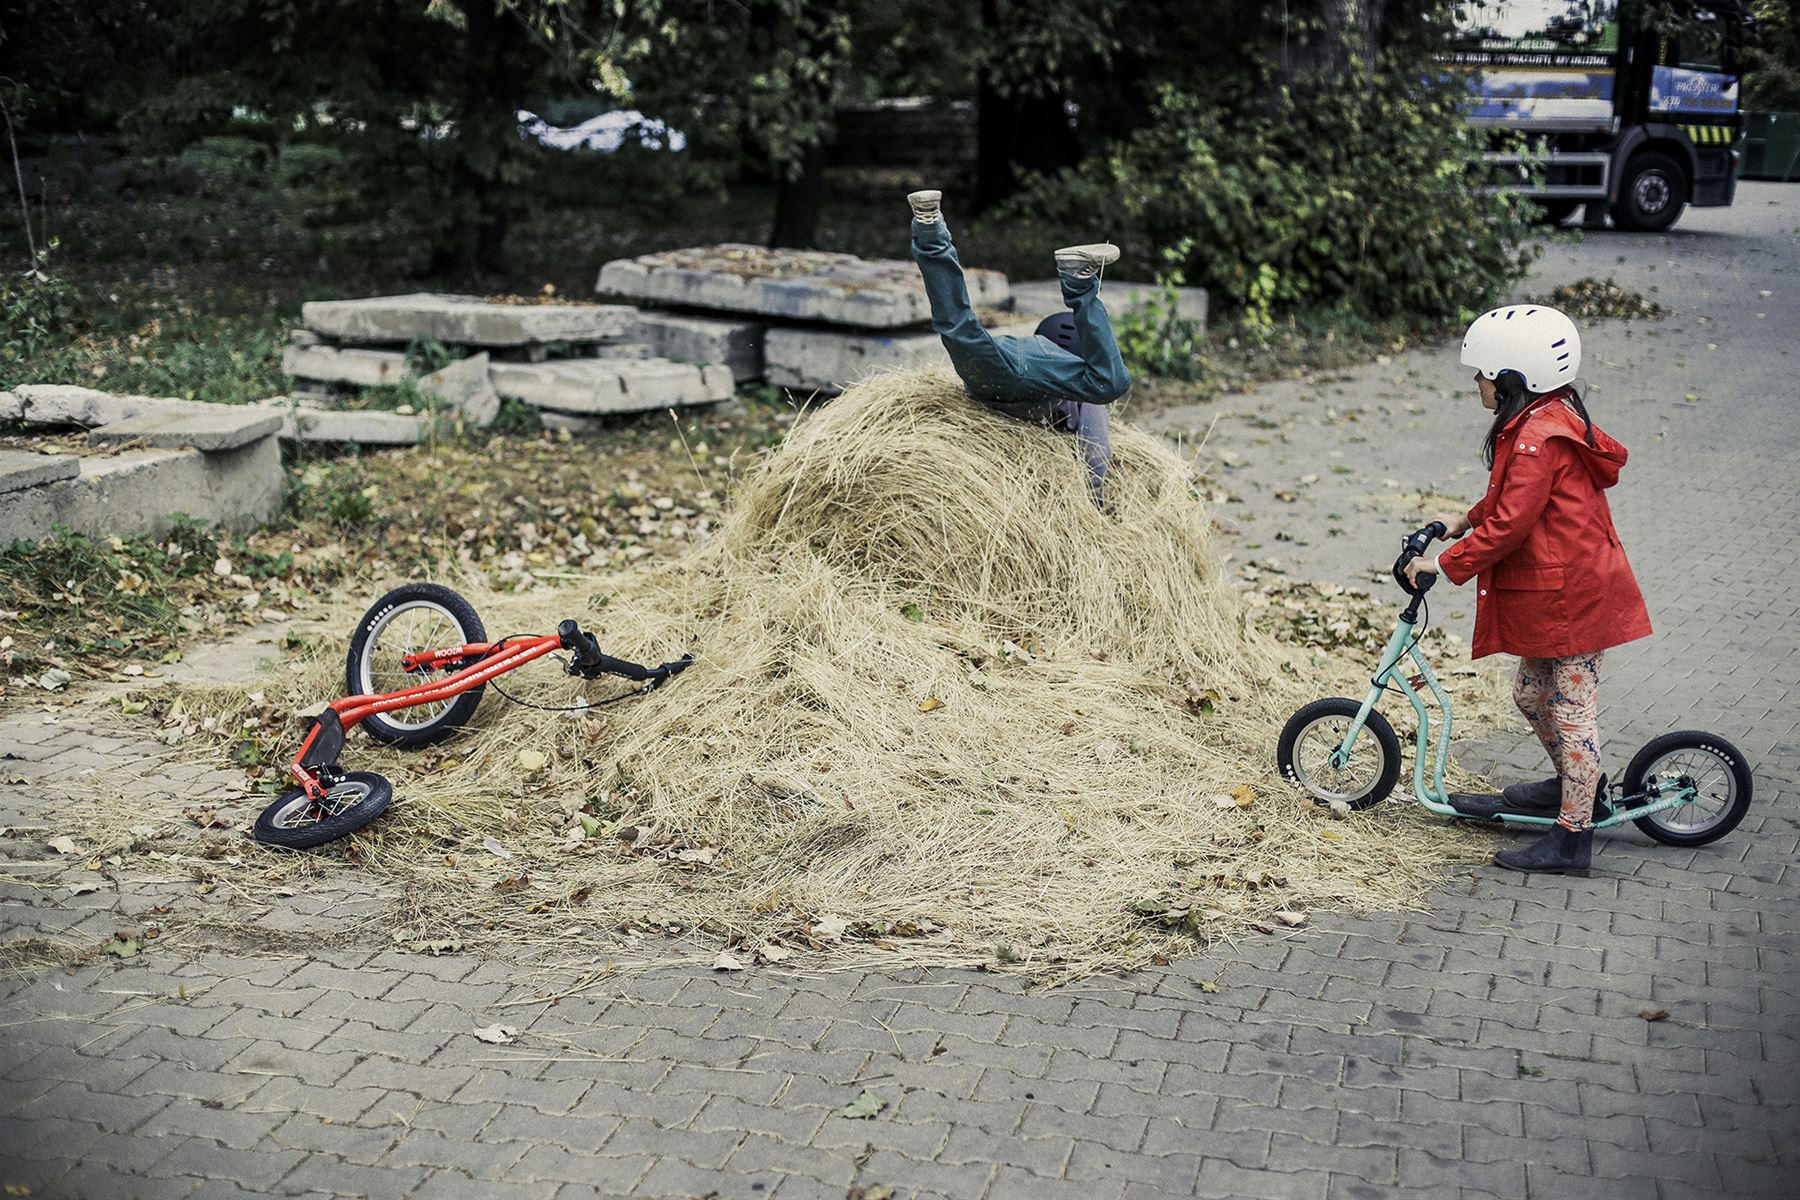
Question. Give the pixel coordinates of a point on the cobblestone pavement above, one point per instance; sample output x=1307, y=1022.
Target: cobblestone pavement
x=1490, y=1046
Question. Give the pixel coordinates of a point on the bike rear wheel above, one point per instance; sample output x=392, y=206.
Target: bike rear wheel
x=1721, y=779
x=418, y=616
x=1312, y=734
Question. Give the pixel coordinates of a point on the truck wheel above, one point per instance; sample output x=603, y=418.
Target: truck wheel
x=1652, y=193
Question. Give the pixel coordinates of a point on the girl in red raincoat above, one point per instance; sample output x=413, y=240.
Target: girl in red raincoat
x=1553, y=585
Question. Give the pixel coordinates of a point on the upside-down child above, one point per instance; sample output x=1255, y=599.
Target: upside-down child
x=1064, y=375
x=1555, y=587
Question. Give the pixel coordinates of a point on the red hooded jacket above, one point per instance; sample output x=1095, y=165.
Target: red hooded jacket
x=1553, y=577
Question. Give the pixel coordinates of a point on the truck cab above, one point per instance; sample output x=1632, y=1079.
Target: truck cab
x=1606, y=110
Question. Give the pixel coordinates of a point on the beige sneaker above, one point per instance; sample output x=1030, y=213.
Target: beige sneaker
x=927, y=207
x=1085, y=262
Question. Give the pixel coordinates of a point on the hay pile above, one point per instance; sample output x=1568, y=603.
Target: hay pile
x=944, y=711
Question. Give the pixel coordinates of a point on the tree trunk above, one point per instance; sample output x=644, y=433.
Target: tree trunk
x=798, y=202
x=486, y=138
x=1016, y=133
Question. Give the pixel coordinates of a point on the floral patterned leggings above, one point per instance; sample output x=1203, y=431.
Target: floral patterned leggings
x=1560, y=697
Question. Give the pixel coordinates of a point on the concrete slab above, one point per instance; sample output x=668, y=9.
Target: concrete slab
x=466, y=388
x=800, y=285
x=304, y=423
x=1041, y=297
x=463, y=320
x=137, y=491
x=65, y=404
x=608, y=385
x=334, y=364
x=12, y=406
x=20, y=469
x=826, y=360
x=226, y=427
x=736, y=343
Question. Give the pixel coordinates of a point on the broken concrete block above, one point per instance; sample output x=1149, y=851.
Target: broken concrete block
x=330, y=364
x=801, y=285
x=302, y=423
x=737, y=344
x=609, y=385
x=464, y=320
x=64, y=404
x=626, y=350
x=1041, y=297
x=226, y=427
x=21, y=469
x=303, y=337
x=830, y=360
x=466, y=388
x=12, y=407
x=136, y=491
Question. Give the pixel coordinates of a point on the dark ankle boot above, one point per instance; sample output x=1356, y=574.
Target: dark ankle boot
x=1542, y=796
x=1559, y=852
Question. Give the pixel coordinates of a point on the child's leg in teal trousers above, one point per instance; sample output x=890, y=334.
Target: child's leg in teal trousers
x=1561, y=699
x=1104, y=377
x=984, y=370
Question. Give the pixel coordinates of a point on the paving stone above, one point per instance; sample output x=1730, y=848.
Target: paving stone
x=466, y=388
x=464, y=320
x=593, y=386
x=226, y=428
x=21, y=469
x=363, y=427
x=736, y=343
x=353, y=365
x=796, y=285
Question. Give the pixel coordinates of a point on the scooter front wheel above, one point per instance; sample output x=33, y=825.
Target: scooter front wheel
x=1721, y=780
x=1311, y=736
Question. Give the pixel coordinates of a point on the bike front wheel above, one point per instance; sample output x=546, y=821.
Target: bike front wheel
x=1311, y=736
x=1721, y=780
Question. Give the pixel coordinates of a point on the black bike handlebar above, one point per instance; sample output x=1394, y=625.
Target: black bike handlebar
x=1414, y=546
x=587, y=661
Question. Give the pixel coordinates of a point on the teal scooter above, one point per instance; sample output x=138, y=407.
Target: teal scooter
x=1685, y=788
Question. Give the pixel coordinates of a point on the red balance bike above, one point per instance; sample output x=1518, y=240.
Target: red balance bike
x=426, y=643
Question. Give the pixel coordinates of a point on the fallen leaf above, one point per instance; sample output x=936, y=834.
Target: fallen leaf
x=531, y=761
x=1243, y=795
x=55, y=679
x=492, y=846
x=1223, y=801
x=123, y=946
x=1208, y=986
x=1339, y=808
x=863, y=1107
x=1291, y=919
x=1661, y=1014
x=82, y=889
x=498, y=1035
x=517, y=883
x=727, y=961
x=878, y=1191
x=62, y=845
x=930, y=704
x=774, y=954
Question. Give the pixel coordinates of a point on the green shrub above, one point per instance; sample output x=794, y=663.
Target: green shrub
x=1364, y=198
x=1155, y=339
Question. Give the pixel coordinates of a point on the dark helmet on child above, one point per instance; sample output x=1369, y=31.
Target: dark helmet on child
x=1060, y=328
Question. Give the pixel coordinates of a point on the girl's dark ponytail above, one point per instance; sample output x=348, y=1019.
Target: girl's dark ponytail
x=1510, y=391
x=1514, y=398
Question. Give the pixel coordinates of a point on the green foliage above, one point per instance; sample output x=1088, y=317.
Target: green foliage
x=1155, y=339
x=1772, y=62
x=1364, y=198
x=36, y=308
x=339, y=492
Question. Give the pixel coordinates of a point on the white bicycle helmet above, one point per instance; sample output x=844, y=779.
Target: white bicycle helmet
x=1539, y=343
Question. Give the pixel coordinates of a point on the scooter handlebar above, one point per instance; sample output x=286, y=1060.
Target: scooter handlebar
x=1414, y=546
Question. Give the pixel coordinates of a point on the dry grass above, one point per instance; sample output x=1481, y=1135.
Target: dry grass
x=944, y=711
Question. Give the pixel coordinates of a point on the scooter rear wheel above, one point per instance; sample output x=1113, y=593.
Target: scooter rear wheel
x=1721, y=778
x=1309, y=737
